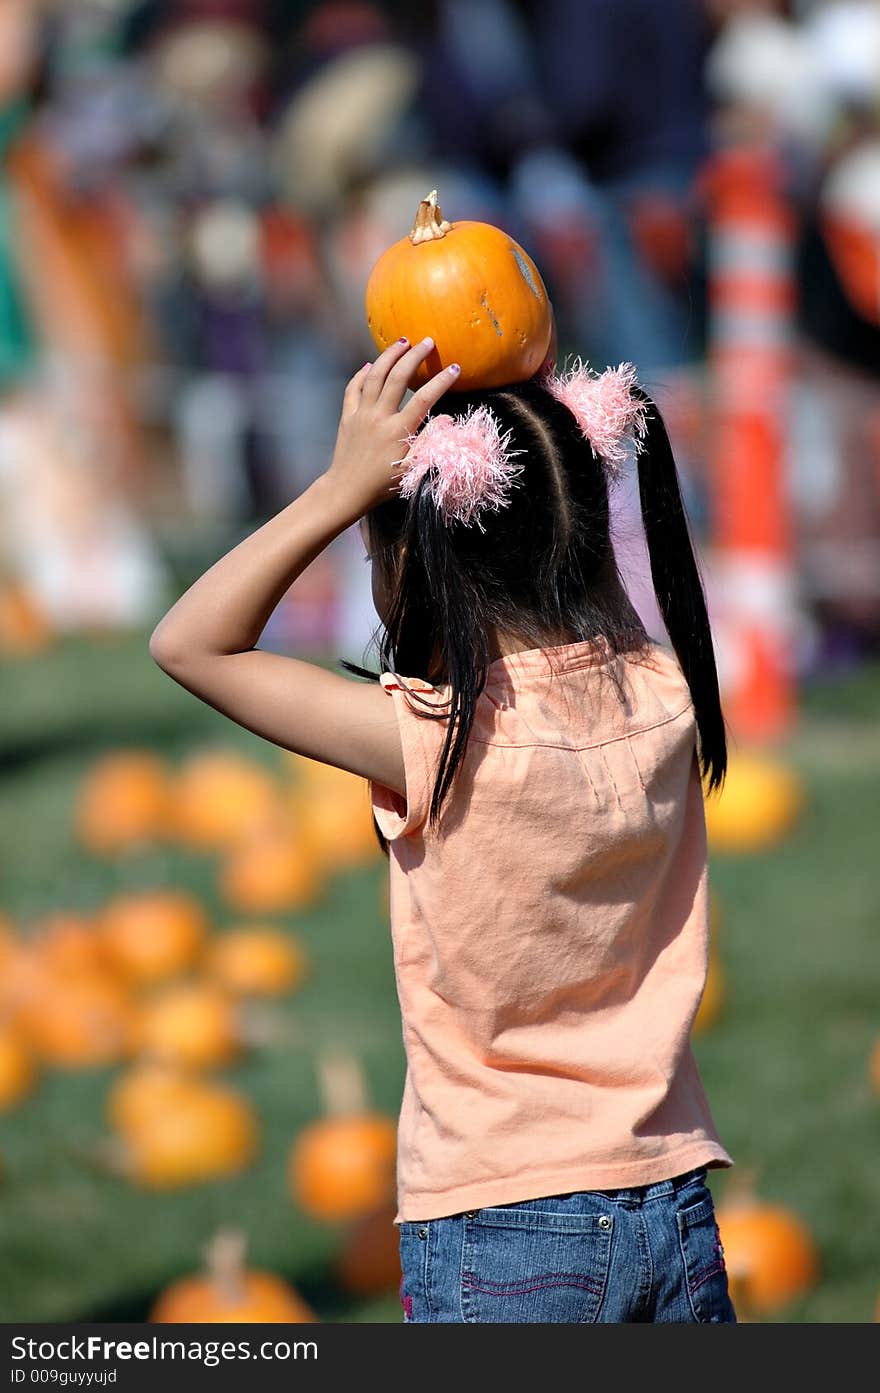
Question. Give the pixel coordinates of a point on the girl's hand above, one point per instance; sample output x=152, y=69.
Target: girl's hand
x=373, y=430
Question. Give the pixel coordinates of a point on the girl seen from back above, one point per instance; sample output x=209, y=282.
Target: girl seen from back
x=536, y=767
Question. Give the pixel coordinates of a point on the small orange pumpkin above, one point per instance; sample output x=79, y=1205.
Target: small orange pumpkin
x=759, y=804
x=78, y=1020
x=24, y=626
x=342, y=1166
x=273, y=870
x=23, y=980
x=9, y=941
x=18, y=1070
x=257, y=961
x=768, y=1250
x=369, y=1263
x=229, y=1292
x=220, y=797
x=473, y=289
x=69, y=943
x=712, y=999
x=191, y=1024
x=122, y=802
x=142, y=1092
x=153, y=935
x=340, y=829
x=201, y=1133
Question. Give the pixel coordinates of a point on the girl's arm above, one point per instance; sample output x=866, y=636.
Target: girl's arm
x=206, y=641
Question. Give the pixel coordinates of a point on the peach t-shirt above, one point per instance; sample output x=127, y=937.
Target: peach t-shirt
x=551, y=938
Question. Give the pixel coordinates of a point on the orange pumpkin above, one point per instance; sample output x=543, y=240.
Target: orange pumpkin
x=758, y=805
x=201, y=1133
x=123, y=802
x=78, y=1020
x=69, y=943
x=369, y=1263
x=8, y=938
x=220, y=797
x=24, y=627
x=339, y=830
x=142, y=1092
x=712, y=999
x=473, y=289
x=229, y=1292
x=257, y=961
x=342, y=1167
x=154, y=934
x=271, y=871
x=769, y=1252
x=192, y=1024
x=17, y=1068
x=23, y=980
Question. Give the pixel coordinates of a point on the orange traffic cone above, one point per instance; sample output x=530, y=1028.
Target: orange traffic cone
x=751, y=306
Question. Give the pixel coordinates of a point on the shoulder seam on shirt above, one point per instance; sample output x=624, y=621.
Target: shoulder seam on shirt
x=591, y=745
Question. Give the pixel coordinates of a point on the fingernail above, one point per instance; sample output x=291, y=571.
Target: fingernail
x=403, y=339
x=429, y=343
x=454, y=367
x=368, y=364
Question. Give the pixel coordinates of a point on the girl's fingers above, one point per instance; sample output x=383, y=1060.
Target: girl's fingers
x=376, y=377
x=399, y=374
x=352, y=395
x=421, y=401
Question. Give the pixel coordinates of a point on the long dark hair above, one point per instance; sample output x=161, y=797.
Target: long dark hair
x=543, y=570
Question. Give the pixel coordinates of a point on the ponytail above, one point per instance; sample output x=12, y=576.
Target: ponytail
x=679, y=589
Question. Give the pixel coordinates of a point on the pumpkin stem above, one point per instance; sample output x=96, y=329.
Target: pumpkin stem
x=343, y=1085
x=430, y=223
x=225, y=1259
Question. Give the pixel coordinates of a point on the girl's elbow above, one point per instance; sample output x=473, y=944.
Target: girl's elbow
x=165, y=650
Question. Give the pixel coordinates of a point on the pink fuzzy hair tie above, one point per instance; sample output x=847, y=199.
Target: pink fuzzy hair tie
x=472, y=464
x=611, y=418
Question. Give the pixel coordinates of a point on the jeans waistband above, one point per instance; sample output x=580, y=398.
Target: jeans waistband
x=637, y=1194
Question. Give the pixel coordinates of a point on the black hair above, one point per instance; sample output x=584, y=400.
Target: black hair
x=543, y=570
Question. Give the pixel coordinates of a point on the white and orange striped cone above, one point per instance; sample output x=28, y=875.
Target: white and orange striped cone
x=751, y=303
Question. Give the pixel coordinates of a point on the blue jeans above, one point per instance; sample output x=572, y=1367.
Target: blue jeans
x=649, y=1253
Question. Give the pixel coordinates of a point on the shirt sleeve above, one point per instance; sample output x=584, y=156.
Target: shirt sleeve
x=421, y=739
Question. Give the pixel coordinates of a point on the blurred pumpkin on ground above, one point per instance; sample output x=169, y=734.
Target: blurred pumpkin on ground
x=195, y=1134
x=153, y=935
x=142, y=1092
x=760, y=802
x=24, y=627
x=77, y=1020
x=230, y=1291
x=123, y=802
x=768, y=1249
x=342, y=1166
x=272, y=870
x=18, y=1070
x=712, y=999
x=257, y=960
x=369, y=1262
x=193, y=1024
x=220, y=797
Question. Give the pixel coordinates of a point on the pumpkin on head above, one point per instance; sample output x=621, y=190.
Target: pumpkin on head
x=473, y=289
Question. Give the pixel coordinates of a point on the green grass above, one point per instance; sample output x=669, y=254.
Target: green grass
x=785, y=1067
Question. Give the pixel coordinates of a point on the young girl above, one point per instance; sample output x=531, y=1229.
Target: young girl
x=534, y=774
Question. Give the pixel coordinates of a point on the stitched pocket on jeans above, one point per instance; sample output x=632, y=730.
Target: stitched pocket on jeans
x=413, y=1251
x=705, y=1273
x=534, y=1266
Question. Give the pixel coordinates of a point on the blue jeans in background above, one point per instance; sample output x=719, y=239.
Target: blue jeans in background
x=648, y=1253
